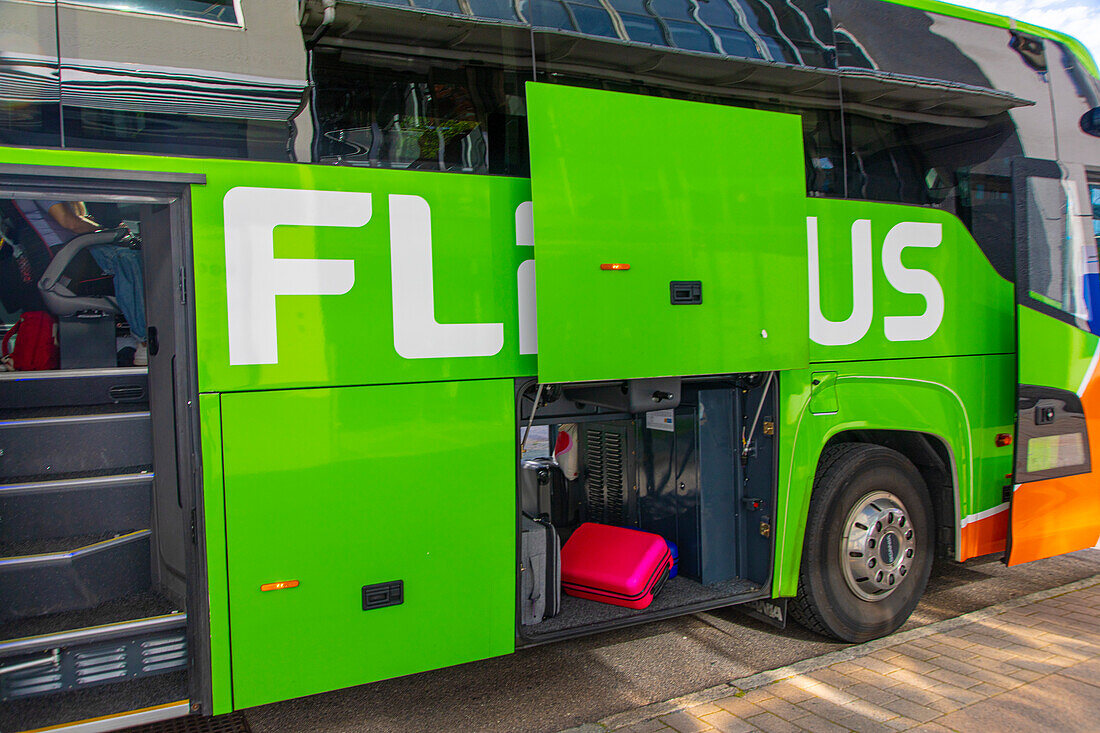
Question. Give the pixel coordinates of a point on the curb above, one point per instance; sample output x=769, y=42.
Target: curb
x=762, y=679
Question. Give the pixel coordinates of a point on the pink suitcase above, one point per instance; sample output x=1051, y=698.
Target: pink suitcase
x=624, y=567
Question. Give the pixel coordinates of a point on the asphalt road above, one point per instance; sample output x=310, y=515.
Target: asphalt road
x=560, y=685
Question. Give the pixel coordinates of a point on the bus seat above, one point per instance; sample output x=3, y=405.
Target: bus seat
x=55, y=287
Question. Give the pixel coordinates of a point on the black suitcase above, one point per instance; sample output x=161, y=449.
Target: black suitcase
x=545, y=492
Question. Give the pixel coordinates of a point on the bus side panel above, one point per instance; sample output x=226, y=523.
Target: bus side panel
x=963, y=401
x=213, y=497
x=1057, y=515
x=341, y=488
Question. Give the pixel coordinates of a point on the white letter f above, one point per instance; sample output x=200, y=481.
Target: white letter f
x=253, y=277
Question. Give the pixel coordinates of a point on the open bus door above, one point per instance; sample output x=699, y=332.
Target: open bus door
x=1055, y=504
x=661, y=251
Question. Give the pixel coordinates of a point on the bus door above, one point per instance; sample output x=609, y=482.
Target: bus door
x=659, y=250
x=1055, y=503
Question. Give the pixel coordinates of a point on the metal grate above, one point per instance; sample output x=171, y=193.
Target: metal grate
x=593, y=481
x=604, y=477
x=613, y=476
x=87, y=665
x=231, y=723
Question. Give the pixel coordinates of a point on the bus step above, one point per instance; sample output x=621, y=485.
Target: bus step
x=74, y=507
x=229, y=723
x=75, y=660
x=67, y=580
x=55, y=446
x=70, y=387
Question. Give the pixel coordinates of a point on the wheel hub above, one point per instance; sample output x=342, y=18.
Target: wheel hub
x=878, y=547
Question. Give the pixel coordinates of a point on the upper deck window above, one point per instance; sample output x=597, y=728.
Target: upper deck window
x=211, y=11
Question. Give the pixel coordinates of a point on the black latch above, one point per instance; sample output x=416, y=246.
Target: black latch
x=686, y=292
x=381, y=595
x=1044, y=415
x=752, y=503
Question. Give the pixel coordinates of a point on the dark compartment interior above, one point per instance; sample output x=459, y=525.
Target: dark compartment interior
x=682, y=472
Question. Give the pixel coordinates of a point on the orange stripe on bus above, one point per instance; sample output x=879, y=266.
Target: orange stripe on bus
x=1061, y=515
x=984, y=536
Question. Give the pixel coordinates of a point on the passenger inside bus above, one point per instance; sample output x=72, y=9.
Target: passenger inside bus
x=57, y=263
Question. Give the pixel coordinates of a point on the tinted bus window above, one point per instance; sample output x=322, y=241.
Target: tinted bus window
x=167, y=134
x=883, y=165
x=30, y=94
x=433, y=117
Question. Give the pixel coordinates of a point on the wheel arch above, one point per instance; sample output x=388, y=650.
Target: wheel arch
x=927, y=423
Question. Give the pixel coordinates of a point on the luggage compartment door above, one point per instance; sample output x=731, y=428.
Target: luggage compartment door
x=670, y=236
x=371, y=533
x=1055, y=504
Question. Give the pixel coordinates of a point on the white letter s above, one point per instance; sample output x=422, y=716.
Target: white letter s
x=909, y=280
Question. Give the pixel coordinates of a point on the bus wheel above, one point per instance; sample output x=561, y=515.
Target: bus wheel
x=868, y=544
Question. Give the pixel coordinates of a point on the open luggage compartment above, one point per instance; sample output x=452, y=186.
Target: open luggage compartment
x=700, y=472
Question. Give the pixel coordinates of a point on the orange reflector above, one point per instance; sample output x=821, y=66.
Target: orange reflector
x=281, y=585
x=1003, y=439
x=614, y=266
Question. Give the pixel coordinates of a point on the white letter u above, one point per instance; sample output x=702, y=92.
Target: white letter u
x=855, y=326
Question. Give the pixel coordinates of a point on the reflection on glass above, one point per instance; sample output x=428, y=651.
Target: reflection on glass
x=643, y=29
x=174, y=134
x=446, y=6
x=499, y=9
x=849, y=53
x=215, y=11
x=883, y=164
x=1092, y=263
x=824, y=153
x=984, y=203
x=29, y=91
x=1056, y=256
x=672, y=9
x=593, y=20
x=550, y=14
x=1094, y=195
x=439, y=118
x=690, y=36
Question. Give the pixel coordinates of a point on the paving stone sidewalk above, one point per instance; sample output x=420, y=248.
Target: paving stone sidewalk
x=1032, y=663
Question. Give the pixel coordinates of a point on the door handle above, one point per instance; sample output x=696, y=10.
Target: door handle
x=151, y=340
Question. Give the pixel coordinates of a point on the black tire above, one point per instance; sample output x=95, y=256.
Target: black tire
x=829, y=600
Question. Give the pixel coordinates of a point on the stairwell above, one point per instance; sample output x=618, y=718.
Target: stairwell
x=83, y=629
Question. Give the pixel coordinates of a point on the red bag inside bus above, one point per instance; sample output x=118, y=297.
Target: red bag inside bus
x=35, y=346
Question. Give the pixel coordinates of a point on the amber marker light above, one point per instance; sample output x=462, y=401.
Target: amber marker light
x=614, y=266
x=1003, y=439
x=281, y=585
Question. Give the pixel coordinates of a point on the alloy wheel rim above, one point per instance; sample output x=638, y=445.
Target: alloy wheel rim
x=878, y=548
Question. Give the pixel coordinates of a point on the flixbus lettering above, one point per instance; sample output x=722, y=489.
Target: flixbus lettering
x=903, y=279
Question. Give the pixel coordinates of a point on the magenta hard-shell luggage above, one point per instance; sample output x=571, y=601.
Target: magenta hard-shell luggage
x=617, y=565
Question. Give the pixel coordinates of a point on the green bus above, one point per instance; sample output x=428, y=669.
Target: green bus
x=317, y=307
